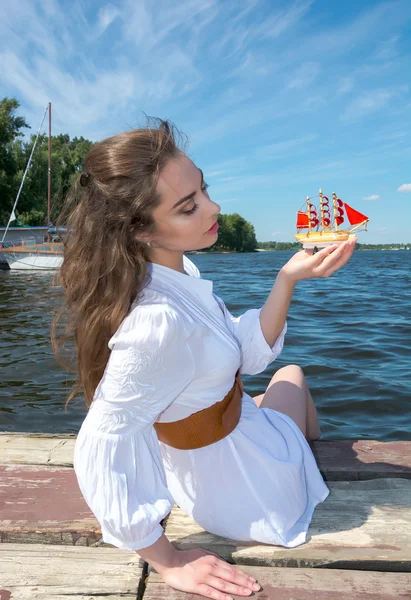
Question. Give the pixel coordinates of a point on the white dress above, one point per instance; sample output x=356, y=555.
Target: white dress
x=175, y=353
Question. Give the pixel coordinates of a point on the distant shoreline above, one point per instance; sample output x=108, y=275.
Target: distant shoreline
x=280, y=250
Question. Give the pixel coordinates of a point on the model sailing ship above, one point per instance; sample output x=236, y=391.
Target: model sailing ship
x=27, y=255
x=324, y=224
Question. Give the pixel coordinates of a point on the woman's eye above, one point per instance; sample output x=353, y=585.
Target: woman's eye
x=191, y=211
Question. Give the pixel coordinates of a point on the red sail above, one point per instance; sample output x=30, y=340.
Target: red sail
x=302, y=220
x=354, y=217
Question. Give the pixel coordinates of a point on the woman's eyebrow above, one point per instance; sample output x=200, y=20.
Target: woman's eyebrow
x=190, y=196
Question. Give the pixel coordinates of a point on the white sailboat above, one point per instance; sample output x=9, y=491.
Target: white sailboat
x=34, y=256
x=29, y=255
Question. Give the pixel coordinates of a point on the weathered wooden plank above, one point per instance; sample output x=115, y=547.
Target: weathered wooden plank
x=37, y=449
x=305, y=584
x=351, y=460
x=361, y=525
x=34, y=572
x=338, y=460
x=44, y=505
x=73, y=533
x=45, y=594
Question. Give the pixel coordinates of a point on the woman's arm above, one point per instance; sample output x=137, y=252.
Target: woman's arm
x=274, y=312
x=161, y=555
x=303, y=265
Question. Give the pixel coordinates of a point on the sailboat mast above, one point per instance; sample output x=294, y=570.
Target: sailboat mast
x=321, y=209
x=335, y=211
x=49, y=170
x=308, y=213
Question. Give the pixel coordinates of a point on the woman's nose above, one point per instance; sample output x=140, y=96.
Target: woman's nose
x=217, y=208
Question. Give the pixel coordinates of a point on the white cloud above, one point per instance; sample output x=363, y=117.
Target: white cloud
x=349, y=36
x=346, y=85
x=304, y=75
x=280, y=148
x=405, y=187
x=198, y=62
x=106, y=16
x=370, y=102
x=96, y=95
x=387, y=49
x=227, y=200
x=372, y=197
x=239, y=34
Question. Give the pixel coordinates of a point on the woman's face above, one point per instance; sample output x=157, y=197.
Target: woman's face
x=186, y=212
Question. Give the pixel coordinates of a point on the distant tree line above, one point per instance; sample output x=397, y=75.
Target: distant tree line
x=279, y=245
x=384, y=246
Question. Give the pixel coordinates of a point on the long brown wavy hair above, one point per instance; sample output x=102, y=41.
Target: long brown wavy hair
x=105, y=260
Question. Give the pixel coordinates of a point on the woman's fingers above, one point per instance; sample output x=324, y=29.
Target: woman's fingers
x=234, y=573
x=334, y=260
x=344, y=259
x=324, y=252
x=235, y=576
x=233, y=582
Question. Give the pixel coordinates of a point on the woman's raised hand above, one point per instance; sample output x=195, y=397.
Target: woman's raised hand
x=306, y=265
x=204, y=573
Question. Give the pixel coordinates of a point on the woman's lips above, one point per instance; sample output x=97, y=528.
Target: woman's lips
x=214, y=228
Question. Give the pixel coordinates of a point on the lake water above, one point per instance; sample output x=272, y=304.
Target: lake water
x=351, y=333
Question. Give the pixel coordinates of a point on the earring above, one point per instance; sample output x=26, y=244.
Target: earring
x=149, y=244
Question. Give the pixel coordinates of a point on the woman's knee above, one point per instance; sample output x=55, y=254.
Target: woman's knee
x=293, y=373
x=293, y=368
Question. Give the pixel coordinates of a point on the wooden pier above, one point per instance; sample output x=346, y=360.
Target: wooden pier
x=358, y=544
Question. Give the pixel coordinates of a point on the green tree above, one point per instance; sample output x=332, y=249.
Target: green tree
x=10, y=130
x=67, y=157
x=236, y=234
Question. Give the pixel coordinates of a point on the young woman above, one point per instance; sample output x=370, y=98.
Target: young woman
x=160, y=360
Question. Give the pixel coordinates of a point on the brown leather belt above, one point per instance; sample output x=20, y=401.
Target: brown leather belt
x=206, y=426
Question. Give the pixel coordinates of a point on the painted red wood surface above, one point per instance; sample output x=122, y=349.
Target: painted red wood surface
x=39, y=493
x=352, y=460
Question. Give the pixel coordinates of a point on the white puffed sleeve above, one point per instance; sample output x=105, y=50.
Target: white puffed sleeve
x=256, y=354
x=117, y=457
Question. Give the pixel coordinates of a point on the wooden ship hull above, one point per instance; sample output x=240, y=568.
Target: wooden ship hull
x=321, y=239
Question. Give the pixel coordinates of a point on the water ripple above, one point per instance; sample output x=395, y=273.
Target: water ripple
x=350, y=333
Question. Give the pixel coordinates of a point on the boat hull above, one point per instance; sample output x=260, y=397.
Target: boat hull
x=323, y=239
x=40, y=257
x=29, y=262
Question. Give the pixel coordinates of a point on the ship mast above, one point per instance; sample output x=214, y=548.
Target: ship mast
x=322, y=210
x=49, y=174
x=308, y=213
x=335, y=211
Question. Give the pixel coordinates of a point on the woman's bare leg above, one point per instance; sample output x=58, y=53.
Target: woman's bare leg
x=288, y=393
x=313, y=425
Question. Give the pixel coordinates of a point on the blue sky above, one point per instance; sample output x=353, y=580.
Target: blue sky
x=277, y=97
